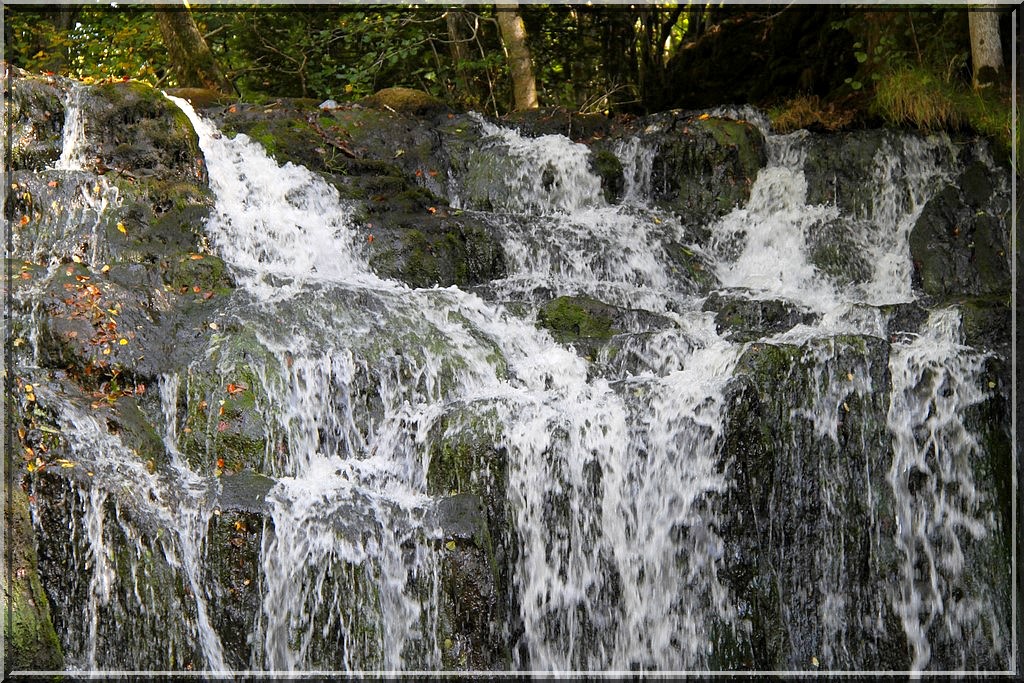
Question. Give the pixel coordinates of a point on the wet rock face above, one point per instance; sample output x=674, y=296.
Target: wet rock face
x=838, y=168
x=135, y=130
x=392, y=166
x=30, y=641
x=741, y=319
x=114, y=288
x=791, y=482
x=34, y=115
x=704, y=166
x=959, y=243
x=469, y=469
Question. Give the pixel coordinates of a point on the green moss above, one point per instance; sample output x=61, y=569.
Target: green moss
x=404, y=100
x=739, y=135
x=265, y=136
x=222, y=400
x=30, y=640
x=209, y=273
x=573, y=318
x=464, y=456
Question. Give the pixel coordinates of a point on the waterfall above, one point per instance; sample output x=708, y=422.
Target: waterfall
x=115, y=546
x=72, y=153
x=631, y=539
x=941, y=513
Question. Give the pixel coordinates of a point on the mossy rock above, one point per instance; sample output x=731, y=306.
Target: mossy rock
x=159, y=637
x=958, y=250
x=205, y=271
x=583, y=128
x=834, y=251
x=286, y=138
x=740, y=319
x=34, y=119
x=691, y=269
x=596, y=330
x=133, y=129
x=986, y=323
x=141, y=221
x=704, y=167
x=469, y=468
x=232, y=560
x=474, y=593
x=30, y=640
x=791, y=469
x=466, y=456
x=201, y=98
x=605, y=165
x=839, y=168
x=572, y=319
x=403, y=100
x=223, y=430
x=442, y=248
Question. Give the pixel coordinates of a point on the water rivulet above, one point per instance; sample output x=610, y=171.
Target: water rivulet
x=693, y=424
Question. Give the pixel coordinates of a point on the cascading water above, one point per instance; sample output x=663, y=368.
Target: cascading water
x=72, y=153
x=619, y=473
x=114, y=548
x=941, y=513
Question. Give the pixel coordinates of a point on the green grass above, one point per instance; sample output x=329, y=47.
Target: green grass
x=918, y=98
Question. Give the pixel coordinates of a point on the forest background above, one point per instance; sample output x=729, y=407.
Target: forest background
x=823, y=67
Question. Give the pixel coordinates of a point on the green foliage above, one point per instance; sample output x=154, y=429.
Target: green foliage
x=915, y=65
x=915, y=96
x=97, y=43
x=893, y=41
x=340, y=52
x=586, y=58
x=924, y=99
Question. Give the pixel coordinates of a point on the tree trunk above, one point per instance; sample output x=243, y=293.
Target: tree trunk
x=986, y=50
x=192, y=58
x=513, y=36
x=458, y=23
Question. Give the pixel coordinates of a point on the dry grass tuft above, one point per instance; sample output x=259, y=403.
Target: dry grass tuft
x=918, y=98
x=806, y=111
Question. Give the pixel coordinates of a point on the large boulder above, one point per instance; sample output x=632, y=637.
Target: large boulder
x=34, y=120
x=960, y=243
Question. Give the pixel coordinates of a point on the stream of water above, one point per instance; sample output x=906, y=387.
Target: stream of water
x=615, y=478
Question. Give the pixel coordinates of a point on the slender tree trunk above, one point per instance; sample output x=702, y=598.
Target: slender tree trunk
x=192, y=58
x=986, y=50
x=458, y=22
x=513, y=36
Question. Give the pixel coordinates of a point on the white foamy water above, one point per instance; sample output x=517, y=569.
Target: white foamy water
x=73, y=141
x=615, y=478
x=559, y=429
x=940, y=511
x=123, y=501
